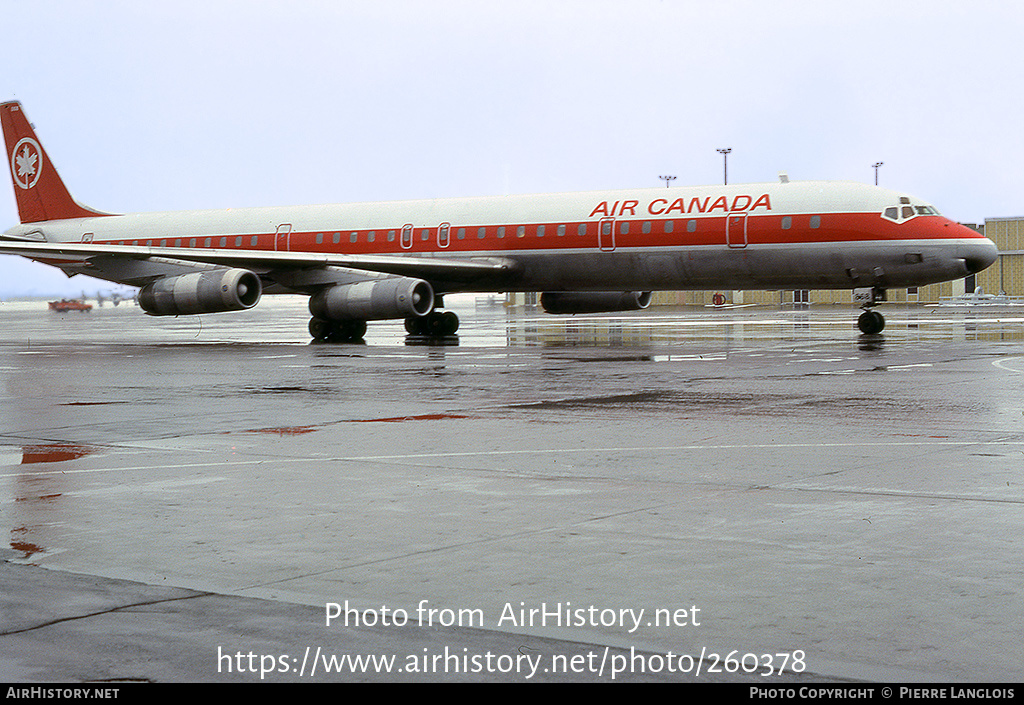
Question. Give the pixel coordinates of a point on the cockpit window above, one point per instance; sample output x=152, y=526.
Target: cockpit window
x=905, y=211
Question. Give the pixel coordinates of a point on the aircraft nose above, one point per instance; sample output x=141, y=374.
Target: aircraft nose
x=979, y=255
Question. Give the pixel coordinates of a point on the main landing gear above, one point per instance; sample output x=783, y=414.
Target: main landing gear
x=436, y=324
x=337, y=331
x=870, y=322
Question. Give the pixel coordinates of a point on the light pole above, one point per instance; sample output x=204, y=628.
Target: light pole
x=876, y=165
x=667, y=179
x=725, y=163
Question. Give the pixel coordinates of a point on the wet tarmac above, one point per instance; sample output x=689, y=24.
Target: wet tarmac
x=764, y=483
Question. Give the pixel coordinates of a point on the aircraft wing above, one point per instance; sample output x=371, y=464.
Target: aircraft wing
x=434, y=269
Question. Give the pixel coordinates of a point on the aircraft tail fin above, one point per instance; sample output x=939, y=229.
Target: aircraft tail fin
x=38, y=188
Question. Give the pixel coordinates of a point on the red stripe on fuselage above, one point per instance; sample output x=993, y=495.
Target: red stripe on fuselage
x=767, y=229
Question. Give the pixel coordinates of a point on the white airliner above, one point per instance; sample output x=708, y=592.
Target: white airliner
x=588, y=252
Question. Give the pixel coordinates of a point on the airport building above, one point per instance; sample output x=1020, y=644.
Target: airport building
x=1006, y=275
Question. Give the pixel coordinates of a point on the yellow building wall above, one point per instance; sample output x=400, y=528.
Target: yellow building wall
x=1007, y=274
x=924, y=294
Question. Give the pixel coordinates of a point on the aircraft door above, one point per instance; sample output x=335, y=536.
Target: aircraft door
x=282, y=239
x=736, y=230
x=606, y=234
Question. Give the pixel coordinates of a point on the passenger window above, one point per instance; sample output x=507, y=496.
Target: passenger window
x=624, y=228
x=480, y=233
x=501, y=232
x=337, y=238
x=461, y=234
x=787, y=223
x=561, y=230
x=540, y=231
x=670, y=225
x=238, y=241
x=521, y=231
x=223, y=242
x=581, y=229
x=254, y=240
x=691, y=226
x=646, y=227
x=371, y=236
x=815, y=221
x=391, y=236
x=319, y=238
x=353, y=237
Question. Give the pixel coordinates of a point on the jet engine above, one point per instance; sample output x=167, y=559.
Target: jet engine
x=594, y=301
x=211, y=291
x=375, y=299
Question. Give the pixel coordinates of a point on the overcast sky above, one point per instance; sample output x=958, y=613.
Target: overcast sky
x=164, y=106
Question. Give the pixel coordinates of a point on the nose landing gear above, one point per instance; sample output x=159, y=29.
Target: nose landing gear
x=870, y=322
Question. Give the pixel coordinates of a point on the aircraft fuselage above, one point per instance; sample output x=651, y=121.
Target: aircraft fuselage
x=797, y=235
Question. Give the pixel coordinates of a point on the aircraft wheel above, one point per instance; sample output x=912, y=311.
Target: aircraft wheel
x=356, y=330
x=319, y=328
x=346, y=331
x=449, y=323
x=415, y=325
x=434, y=323
x=871, y=322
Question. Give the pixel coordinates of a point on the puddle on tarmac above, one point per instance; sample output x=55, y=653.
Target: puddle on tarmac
x=53, y=452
